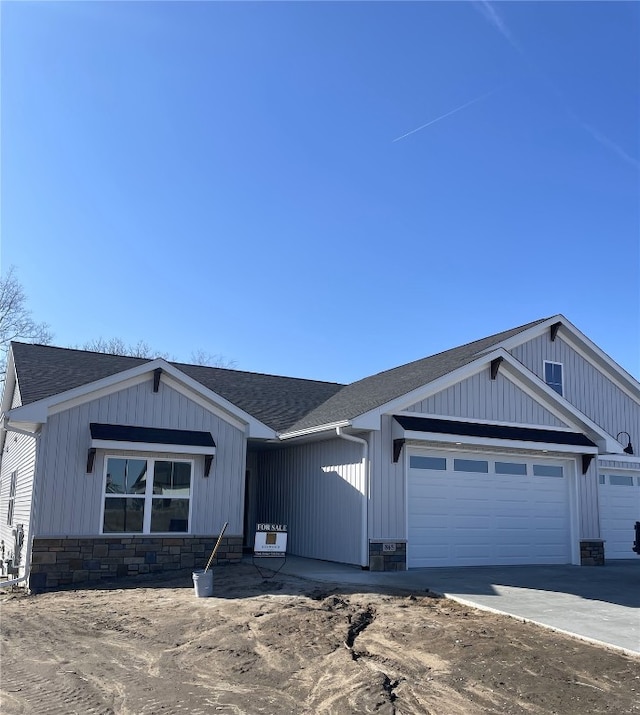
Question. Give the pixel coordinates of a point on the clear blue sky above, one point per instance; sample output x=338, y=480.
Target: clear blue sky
x=245, y=178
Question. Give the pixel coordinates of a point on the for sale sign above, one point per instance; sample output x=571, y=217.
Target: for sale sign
x=271, y=540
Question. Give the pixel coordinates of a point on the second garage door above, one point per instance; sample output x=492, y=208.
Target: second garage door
x=619, y=496
x=472, y=509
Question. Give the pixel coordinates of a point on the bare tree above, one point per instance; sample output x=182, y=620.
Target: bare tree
x=202, y=357
x=117, y=346
x=142, y=349
x=16, y=321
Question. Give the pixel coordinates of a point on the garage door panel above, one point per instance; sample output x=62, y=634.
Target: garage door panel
x=513, y=523
x=521, y=550
x=619, y=498
x=464, y=519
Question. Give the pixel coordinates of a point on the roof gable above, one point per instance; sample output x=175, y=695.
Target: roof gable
x=44, y=372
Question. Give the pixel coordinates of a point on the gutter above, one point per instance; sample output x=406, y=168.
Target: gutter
x=364, y=527
x=314, y=430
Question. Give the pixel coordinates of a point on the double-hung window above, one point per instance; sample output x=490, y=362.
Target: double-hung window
x=146, y=495
x=553, y=376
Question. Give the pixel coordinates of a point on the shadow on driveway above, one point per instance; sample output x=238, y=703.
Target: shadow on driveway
x=615, y=583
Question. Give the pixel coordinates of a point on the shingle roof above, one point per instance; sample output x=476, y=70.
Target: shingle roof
x=283, y=403
x=44, y=371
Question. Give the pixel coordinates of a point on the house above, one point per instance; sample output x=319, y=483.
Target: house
x=514, y=449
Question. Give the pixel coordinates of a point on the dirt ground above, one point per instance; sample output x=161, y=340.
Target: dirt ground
x=286, y=645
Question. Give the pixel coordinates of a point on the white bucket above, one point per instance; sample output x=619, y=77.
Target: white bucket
x=203, y=583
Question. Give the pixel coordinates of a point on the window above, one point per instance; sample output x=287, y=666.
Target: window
x=553, y=376
x=427, y=462
x=511, y=468
x=146, y=496
x=619, y=480
x=12, y=497
x=547, y=470
x=471, y=465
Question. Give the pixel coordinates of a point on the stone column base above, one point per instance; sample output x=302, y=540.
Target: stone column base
x=591, y=552
x=387, y=555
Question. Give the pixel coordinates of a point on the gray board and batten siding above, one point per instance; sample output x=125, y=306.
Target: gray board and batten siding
x=480, y=397
x=72, y=499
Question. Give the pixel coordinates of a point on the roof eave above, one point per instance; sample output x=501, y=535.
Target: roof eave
x=39, y=411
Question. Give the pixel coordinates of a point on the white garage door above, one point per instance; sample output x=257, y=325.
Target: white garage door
x=619, y=498
x=480, y=510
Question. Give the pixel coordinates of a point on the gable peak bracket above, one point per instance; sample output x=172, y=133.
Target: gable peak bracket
x=156, y=378
x=91, y=458
x=495, y=366
x=586, y=462
x=553, y=330
x=398, y=444
x=208, y=459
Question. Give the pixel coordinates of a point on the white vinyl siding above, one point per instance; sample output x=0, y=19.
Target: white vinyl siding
x=19, y=456
x=71, y=499
x=317, y=490
x=466, y=516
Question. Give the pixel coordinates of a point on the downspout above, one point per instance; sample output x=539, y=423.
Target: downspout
x=364, y=545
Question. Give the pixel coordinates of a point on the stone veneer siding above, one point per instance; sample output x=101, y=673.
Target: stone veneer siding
x=73, y=562
x=592, y=552
x=381, y=560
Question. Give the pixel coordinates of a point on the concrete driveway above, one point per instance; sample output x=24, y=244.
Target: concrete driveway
x=595, y=603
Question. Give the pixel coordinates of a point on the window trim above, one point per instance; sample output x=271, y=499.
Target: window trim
x=544, y=376
x=148, y=497
x=11, y=501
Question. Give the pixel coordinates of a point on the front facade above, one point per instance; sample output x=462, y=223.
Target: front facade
x=509, y=450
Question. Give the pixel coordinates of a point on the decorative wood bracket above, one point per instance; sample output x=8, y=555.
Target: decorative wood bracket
x=586, y=462
x=495, y=366
x=554, y=330
x=208, y=458
x=91, y=458
x=398, y=444
x=156, y=378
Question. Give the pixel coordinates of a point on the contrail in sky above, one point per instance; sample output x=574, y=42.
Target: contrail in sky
x=448, y=114
x=605, y=141
x=491, y=14
x=486, y=9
